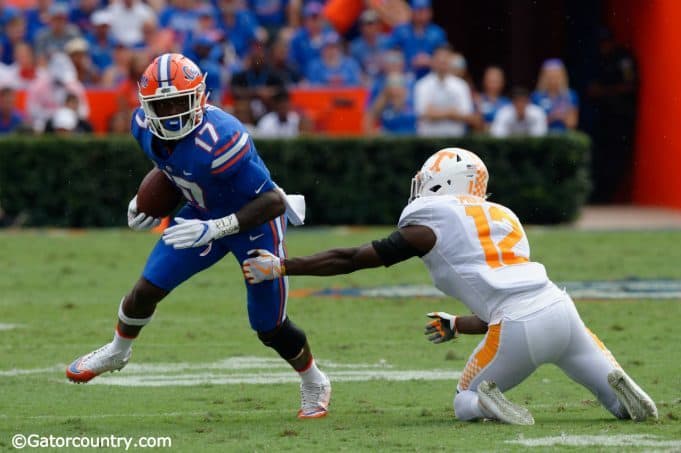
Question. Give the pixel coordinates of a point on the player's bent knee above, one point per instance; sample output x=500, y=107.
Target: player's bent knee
x=146, y=293
x=287, y=339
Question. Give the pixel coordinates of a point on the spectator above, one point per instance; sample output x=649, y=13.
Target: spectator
x=66, y=120
x=393, y=109
x=257, y=82
x=127, y=21
x=78, y=51
x=368, y=47
x=559, y=102
x=520, y=117
x=419, y=38
x=7, y=13
x=82, y=13
x=307, y=41
x=23, y=69
x=58, y=32
x=37, y=18
x=101, y=42
x=443, y=101
x=391, y=12
x=180, y=16
x=282, y=122
x=117, y=73
x=48, y=91
x=612, y=93
x=239, y=25
x=157, y=42
x=15, y=33
x=202, y=52
x=491, y=99
x=280, y=61
x=11, y=118
x=273, y=15
x=392, y=61
x=458, y=66
x=334, y=68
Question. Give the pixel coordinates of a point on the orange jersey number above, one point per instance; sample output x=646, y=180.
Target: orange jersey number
x=499, y=254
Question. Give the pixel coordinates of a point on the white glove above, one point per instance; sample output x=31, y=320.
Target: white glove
x=263, y=266
x=138, y=220
x=442, y=328
x=197, y=233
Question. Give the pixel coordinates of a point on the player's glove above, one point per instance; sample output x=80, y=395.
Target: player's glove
x=138, y=220
x=263, y=265
x=442, y=328
x=197, y=233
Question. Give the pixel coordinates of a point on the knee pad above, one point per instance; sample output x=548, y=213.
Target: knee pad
x=287, y=339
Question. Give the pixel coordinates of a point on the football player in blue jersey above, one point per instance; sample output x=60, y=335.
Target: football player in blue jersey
x=232, y=206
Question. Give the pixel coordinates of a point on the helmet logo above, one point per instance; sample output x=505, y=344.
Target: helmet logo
x=440, y=156
x=144, y=81
x=190, y=72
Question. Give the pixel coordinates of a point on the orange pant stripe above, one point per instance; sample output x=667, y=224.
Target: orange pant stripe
x=602, y=347
x=483, y=357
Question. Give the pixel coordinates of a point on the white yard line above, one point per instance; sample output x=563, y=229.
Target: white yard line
x=242, y=370
x=605, y=440
x=5, y=326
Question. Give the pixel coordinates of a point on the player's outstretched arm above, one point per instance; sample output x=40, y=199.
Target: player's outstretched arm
x=262, y=209
x=405, y=243
x=198, y=233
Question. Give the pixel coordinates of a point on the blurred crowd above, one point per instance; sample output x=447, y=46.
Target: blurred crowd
x=254, y=52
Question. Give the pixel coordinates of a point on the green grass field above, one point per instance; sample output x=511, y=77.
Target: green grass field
x=61, y=290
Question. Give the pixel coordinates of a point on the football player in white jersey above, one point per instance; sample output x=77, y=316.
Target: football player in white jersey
x=477, y=252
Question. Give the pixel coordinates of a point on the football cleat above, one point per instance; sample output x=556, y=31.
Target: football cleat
x=315, y=399
x=493, y=402
x=84, y=368
x=637, y=402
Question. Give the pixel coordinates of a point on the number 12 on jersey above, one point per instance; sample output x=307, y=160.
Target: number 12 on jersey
x=501, y=253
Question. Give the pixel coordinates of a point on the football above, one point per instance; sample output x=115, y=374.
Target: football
x=157, y=196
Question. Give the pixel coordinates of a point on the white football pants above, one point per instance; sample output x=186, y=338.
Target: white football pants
x=513, y=349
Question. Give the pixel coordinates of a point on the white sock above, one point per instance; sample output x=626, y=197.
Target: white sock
x=312, y=375
x=466, y=406
x=121, y=343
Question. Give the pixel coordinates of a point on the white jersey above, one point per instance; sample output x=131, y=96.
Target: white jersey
x=481, y=256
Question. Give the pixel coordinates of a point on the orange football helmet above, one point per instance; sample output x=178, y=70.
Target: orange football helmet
x=172, y=92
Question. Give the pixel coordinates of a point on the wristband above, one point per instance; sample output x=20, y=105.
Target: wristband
x=226, y=226
x=282, y=267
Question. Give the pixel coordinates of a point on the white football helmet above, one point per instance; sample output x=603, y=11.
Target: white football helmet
x=450, y=171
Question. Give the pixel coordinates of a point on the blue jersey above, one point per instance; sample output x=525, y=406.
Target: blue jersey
x=412, y=43
x=555, y=105
x=399, y=121
x=347, y=73
x=216, y=167
x=488, y=108
x=369, y=56
x=270, y=13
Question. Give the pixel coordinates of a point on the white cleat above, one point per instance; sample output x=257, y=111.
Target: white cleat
x=315, y=399
x=637, y=402
x=493, y=402
x=99, y=361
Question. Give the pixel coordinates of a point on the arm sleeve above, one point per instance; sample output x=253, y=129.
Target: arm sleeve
x=394, y=249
